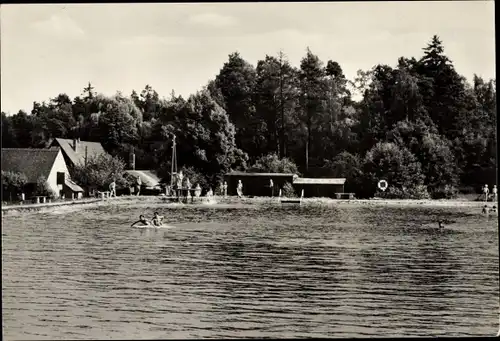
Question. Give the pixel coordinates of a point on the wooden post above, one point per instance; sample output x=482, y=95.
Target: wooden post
x=86, y=154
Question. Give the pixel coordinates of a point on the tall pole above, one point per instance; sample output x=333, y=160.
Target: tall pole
x=174, y=163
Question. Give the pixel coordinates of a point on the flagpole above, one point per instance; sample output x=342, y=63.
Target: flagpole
x=174, y=164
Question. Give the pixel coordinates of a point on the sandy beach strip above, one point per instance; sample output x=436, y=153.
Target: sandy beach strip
x=129, y=200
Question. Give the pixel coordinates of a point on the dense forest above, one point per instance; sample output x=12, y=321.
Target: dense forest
x=420, y=125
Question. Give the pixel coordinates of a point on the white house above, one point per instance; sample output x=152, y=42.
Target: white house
x=36, y=163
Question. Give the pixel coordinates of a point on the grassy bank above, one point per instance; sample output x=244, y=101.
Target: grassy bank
x=260, y=201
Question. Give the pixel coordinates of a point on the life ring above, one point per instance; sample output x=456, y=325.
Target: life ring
x=382, y=185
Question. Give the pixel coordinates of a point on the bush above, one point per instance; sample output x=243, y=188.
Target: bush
x=416, y=192
x=288, y=191
x=195, y=177
x=445, y=192
x=271, y=163
x=398, y=166
x=13, y=182
x=43, y=188
x=126, y=181
x=470, y=190
x=99, y=172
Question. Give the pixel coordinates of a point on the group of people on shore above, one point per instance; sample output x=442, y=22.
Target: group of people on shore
x=486, y=193
x=136, y=187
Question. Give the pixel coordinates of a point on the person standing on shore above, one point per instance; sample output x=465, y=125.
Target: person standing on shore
x=112, y=189
x=138, y=184
x=486, y=191
x=271, y=185
x=224, y=187
x=239, y=189
x=494, y=192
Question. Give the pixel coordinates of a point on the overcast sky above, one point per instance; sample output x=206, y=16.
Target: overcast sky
x=52, y=49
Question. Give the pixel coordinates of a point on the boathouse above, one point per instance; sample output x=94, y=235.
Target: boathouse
x=319, y=187
x=150, y=181
x=257, y=184
x=37, y=163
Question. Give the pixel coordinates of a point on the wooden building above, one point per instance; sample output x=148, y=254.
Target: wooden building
x=257, y=184
x=319, y=187
x=36, y=163
x=150, y=181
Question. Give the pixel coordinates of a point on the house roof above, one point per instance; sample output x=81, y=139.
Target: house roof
x=148, y=178
x=72, y=185
x=260, y=174
x=93, y=149
x=30, y=161
x=319, y=181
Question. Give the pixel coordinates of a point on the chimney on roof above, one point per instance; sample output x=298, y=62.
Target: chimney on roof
x=131, y=159
x=75, y=145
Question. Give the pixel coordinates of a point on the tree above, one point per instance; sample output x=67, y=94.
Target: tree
x=118, y=122
x=89, y=93
x=407, y=102
x=236, y=82
x=13, y=182
x=433, y=151
x=148, y=102
x=205, y=136
x=22, y=124
x=334, y=133
x=9, y=138
x=275, y=98
x=271, y=163
x=443, y=89
x=397, y=165
x=348, y=166
x=312, y=96
x=99, y=172
x=43, y=189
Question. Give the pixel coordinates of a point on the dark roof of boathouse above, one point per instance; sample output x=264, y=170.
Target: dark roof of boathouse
x=32, y=162
x=148, y=177
x=237, y=173
x=319, y=181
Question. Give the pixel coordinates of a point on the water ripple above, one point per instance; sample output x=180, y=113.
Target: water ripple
x=249, y=272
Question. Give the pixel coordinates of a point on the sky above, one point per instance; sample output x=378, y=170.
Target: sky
x=50, y=49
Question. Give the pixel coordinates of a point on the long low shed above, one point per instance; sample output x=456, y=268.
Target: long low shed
x=319, y=187
x=257, y=184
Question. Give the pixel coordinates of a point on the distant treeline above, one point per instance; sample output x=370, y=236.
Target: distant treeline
x=421, y=125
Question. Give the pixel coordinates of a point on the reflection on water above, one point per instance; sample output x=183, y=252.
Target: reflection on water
x=249, y=272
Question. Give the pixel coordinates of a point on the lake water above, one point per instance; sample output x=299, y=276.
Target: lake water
x=222, y=272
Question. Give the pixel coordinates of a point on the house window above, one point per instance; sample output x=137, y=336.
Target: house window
x=61, y=178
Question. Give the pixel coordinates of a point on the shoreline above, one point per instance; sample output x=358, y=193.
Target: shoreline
x=268, y=201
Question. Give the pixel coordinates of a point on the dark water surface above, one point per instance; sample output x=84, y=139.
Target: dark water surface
x=225, y=272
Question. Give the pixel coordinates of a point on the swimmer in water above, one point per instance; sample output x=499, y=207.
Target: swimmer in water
x=157, y=219
x=485, y=209
x=494, y=209
x=445, y=221
x=143, y=221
